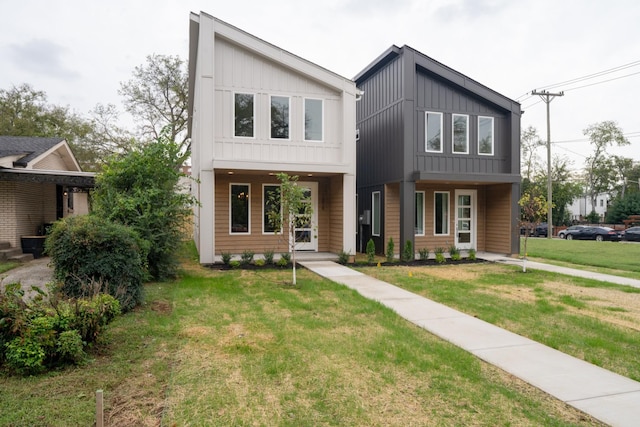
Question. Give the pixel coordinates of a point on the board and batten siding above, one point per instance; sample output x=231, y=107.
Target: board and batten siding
x=238, y=70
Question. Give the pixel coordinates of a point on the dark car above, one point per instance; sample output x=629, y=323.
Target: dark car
x=542, y=229
x=563, y=233
x=594, y=233
x=631, y=234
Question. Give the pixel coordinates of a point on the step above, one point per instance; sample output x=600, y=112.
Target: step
x=22, y=258
x=5, y=245
x=6, y=254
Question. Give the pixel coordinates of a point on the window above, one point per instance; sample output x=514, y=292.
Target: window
x=280, y=117
x=240, y=208
x=270, y=203
x=460, y=133
x=441, y=214
x=375, y=213
x=485, y=135
x=419, y=216
x=433, y=132
x=313, y=119
x=243, y=111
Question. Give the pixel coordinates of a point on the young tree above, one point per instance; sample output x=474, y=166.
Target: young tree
x=291, y=209
x=601, y=170
x=141, y=189
x=156, y=96
x=529, y=143
x=533, y=207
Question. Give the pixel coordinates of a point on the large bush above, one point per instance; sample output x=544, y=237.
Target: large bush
x=90, y=253
x=49, y=331
x=141, y=190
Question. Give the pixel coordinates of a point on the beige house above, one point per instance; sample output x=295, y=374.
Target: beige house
x=256, y=110
x=40, y=182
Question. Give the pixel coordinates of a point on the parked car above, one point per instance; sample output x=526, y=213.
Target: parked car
x=563, y=233
x=631, y=234
x=542, y=229
x=594, y=233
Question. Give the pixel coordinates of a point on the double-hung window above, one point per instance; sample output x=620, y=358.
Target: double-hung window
x=313, y=119
x=433, y=132
x=270, y=205
x=279, y=117
x=485, y=135
x=441, y=213
x=240, y=209
x=460, y=124
x=419, y=216
x=244, y=115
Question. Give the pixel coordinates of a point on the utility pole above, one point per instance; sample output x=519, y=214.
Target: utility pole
x=547, y=98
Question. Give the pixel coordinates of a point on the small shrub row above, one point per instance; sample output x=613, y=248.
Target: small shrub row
x=247, y=258
x=49, y=331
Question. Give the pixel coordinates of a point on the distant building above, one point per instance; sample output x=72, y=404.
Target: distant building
x=581, y=207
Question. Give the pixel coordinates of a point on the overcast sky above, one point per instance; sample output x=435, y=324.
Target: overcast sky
x=78, y=51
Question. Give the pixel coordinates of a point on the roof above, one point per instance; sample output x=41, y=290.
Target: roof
x=430, y=65
x=28, y=147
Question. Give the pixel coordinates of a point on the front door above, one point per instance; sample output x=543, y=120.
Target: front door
x=306, y=234
x=465, y=219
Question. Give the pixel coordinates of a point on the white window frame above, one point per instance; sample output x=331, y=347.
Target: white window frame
x=288, y=118
x=493, y=135
x=426, y=129
x=421, y=226
x=241, y=233
x=375, y=208
x=264, y=209
x=453, y=133
x=233, y=116
x=304, y=122
x=435, y=216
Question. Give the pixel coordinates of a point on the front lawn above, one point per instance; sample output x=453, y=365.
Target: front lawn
x=240, y=348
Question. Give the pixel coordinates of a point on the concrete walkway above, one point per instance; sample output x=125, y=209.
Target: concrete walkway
x=607, y=396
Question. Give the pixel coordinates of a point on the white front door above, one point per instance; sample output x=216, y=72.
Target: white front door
x=465, y=219
x=306, y=236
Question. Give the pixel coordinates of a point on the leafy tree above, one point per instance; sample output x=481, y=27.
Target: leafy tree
x=141, y=189
x=529, y=143
x=564, y=190
x=156, y=96
x=533, y=208
x=290, y=209
x=623, y=207
x=602, y=169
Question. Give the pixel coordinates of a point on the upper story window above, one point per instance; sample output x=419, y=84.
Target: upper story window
x=485, y=135
x=313, y=119
x=279, y=117
x=433, y=132
x=460, y=124
x=240, y=209
x=244, y=115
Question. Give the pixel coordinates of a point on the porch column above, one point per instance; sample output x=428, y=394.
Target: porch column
x=349, y=219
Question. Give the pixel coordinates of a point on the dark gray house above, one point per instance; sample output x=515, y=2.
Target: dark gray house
x=438, y=157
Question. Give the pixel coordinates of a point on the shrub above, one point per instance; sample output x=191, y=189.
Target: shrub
x=235, y=263
x=343, y=257
x=390, y=250
x=260, y=262
x=226, y=258
x=268, y=256
x=440, y=259
x=407, y=252
x=69, y=346
x=454, y=253
x=285, y=259
x=371, y=251
x=25, y=356
x=472, y=254
x=88, y=250
x=246, y=257
x=424, y=254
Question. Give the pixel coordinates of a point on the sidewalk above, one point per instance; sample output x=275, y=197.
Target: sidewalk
x=607, y=396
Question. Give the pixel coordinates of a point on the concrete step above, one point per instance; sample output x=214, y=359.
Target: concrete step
x=5, y=245
x=21, y=258
x=6, y=254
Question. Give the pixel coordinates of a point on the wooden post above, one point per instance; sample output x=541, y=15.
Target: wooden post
x=99, y=409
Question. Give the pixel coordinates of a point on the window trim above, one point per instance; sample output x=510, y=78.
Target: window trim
x=375, y=209
x=304, y=124
x=288, y=118
x=493, y=135
x=233, y=116
x=435, y=216
x=453, y=133
x=426, y=127
x=264, y=210
x=423, y=213
x=248, y=232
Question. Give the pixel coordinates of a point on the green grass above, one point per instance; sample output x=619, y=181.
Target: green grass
x=609, y=257
x=239, y=348
x=552, y=309
x=6, y=266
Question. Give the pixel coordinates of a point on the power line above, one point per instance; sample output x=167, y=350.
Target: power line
x=627, y=135
x=603, y=81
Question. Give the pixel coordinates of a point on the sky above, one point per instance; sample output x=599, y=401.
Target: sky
x=78, y=51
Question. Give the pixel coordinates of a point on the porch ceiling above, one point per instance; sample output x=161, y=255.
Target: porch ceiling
x=69, y=178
